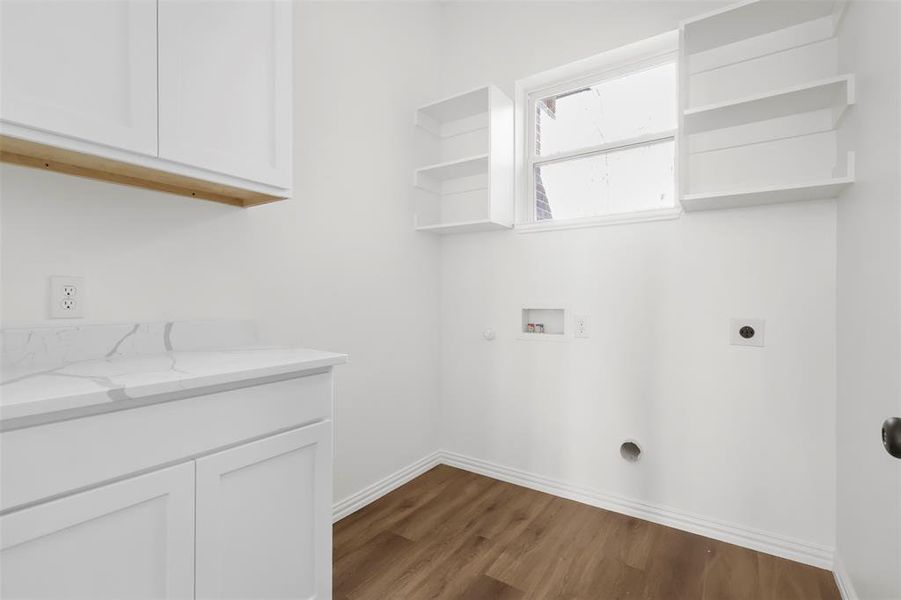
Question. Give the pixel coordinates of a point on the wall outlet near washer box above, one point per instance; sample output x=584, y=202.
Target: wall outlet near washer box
x=747, y=332
x=581, y=326
x=66, y=297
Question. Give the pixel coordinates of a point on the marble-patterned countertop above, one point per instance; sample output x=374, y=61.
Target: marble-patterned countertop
x=47, y=370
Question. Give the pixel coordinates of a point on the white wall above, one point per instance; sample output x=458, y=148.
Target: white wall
x=337, y=267
x=740, y=435
x=869, y=299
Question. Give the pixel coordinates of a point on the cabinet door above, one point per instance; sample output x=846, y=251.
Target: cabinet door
x=225, y=86
x=131, y=539
x=83, y=68
x=264, y=518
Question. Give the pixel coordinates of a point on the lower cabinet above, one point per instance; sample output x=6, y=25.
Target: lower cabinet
x=131, y=539
x=264, y=518
x=253, y=521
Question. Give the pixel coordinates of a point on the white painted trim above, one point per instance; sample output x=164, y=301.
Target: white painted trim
x=663, y=214
x=646, y=53
x=626, y=57
x=763, y=541
x=843, y=580
x=641, y=140
x=373, y=492
x=802, y=551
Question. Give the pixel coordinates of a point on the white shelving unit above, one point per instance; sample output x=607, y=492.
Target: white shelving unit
x=457, y=114
x=755, y=18
x=430, y=178
x=755, y=196
x=470, y=186
x=761, y=101
x=462, y=227
x=836, y=93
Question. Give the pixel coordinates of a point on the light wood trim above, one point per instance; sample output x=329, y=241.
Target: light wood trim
x=40, y=156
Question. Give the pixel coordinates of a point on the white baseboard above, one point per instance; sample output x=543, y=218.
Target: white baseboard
x=763, y=541
x=843, y=580
x=371, y=493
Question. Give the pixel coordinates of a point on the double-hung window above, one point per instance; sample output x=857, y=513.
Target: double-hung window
x=600, y=137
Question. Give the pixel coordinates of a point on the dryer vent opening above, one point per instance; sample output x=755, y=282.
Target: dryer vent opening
x=630, y=451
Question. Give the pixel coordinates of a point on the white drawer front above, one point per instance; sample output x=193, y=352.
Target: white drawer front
x=47, y=460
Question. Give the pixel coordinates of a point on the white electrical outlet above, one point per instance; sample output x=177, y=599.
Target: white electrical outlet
x=66, y=297
x=580, y=326
x=746, y=332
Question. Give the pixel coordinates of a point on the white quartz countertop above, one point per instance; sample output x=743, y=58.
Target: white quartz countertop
x=37, y=387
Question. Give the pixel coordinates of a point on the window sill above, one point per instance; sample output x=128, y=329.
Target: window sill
x=601, y=221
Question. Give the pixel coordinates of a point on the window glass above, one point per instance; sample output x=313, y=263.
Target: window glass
x=625, y=107
x=631, y=179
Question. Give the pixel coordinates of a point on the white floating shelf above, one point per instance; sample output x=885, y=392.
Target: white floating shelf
x=465, y=174
x=753, y=18
x=455, y=169
x=463, y=227
x=457, y=114
x=813, y=190
x=835, y=92
x=457, y=107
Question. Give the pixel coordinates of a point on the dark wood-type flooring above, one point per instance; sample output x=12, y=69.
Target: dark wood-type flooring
x=453, y=534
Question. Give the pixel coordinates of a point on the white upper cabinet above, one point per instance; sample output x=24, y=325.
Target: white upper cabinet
x=190, y=97
x=85, y=70
x=225, y=87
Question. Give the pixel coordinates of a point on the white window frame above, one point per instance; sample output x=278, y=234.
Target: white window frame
x=620, y=61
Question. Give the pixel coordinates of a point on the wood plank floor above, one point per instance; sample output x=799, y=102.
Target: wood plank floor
x=453, y=534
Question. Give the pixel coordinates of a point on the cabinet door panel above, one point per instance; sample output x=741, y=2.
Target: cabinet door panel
x=131, y=539
x=225, y=86
x=83, y=69
x=264, y=518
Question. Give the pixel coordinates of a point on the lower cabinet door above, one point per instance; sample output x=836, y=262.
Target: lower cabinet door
x=264, y=518
x=130, y=539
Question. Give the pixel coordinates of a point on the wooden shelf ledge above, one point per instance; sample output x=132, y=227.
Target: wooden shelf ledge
x=39, y=156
